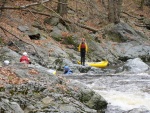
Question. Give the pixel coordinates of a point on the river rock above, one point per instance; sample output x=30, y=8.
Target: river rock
x=132, y=50
x=134, y=66
x=88, y=96
x=123, y=32
x=138, y=110
x=7, y=106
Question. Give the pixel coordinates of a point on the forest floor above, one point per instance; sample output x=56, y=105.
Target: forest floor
x=94, y=13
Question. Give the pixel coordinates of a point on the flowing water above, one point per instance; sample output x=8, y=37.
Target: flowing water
x=122, y=92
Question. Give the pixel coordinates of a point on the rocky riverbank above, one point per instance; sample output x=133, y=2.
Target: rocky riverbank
x=33, y=89
x=53, y=44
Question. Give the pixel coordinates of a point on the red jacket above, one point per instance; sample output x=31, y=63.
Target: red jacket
x=25, y=59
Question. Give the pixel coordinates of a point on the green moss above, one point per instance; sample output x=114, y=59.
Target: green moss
x=85, y=97
x=58, y=61
x=57, y=38
x=12, y=92
x=1, y=41
x=2, y=89
x=114, y=37
x=70, y=41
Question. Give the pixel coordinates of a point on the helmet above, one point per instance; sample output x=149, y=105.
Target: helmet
x=25, y=54
x=6, y=62
x=66, y=68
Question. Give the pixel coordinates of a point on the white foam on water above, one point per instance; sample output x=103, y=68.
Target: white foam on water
x=126, y=100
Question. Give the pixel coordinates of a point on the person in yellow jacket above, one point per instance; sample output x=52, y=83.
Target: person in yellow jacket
x=83, y=48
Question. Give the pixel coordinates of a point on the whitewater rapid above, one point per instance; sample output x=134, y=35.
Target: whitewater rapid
x=123, y=92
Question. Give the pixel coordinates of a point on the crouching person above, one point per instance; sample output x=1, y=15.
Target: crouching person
x=67, y=70
x=25, y=59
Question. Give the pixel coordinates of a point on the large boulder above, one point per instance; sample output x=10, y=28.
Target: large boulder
x=8, y=54
x=87, y=96
x=134, y=66
x=56, y=34
x=132, y=50
x=122, y=32
x=125, y=43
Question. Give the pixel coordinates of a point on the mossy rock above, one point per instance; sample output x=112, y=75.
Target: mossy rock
x=70, y=41
x=57, y=38
x=1, y=41
x=2, y=89
x=115, y=37
x=86, y=96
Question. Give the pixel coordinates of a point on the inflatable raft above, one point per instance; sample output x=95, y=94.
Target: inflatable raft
x=101, y=64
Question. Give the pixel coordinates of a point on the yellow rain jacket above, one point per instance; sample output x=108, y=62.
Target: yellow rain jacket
x=86, y=47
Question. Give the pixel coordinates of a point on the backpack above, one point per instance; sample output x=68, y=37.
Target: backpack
x=82, y=45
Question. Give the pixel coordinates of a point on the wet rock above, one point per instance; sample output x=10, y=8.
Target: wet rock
x=83, y=69
x=88, y=96
x=134, y=66
x=95, y=70
x=138, y=110
x=132, y=50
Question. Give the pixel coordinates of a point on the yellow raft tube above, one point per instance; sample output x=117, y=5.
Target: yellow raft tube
x=101, y=64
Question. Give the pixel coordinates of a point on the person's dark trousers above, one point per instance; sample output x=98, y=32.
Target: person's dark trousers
x=82, y=56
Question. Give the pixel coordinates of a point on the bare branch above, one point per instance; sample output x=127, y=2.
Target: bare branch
x=130, y=15
x=11, y=40
x=65, y=20
x=68, y=21
x=19, y=38
x=57, y=15
x=25, y=6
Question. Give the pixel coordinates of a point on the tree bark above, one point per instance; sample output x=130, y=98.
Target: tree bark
x=62, y=7
x=3, y=2
x=110, y=10
x=114, y=10
x=142, y=4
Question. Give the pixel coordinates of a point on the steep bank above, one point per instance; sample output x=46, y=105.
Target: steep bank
x=54, y=45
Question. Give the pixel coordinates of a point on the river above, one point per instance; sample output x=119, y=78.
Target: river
x=122, y=92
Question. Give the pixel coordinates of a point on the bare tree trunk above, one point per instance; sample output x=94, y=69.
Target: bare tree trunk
x=62, y=7
x=111, y=10
x=118, y=10
x=142, y=4
x=2, y=4
x=114, y=10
